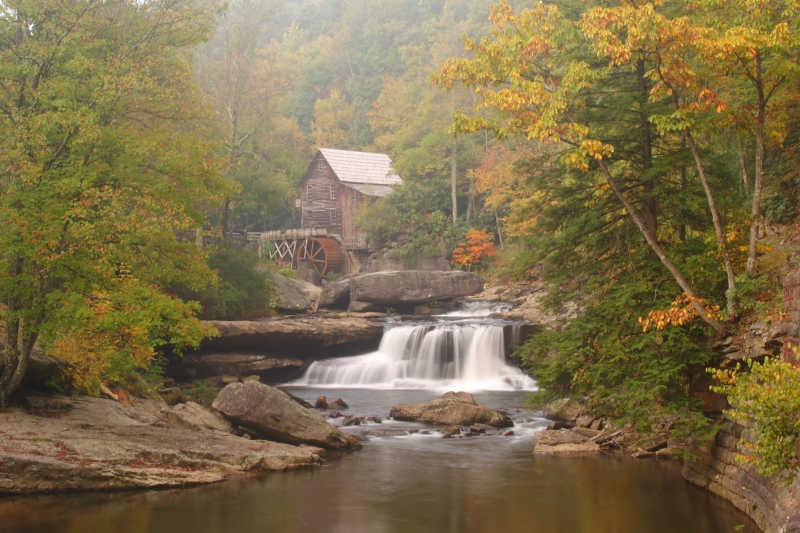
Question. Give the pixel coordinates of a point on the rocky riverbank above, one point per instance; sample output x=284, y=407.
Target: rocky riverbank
x=775, y=508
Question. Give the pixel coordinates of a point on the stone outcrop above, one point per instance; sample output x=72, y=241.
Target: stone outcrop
x=413, y=286
x=566, y=441
x=239, y=365
x=270, y=413
x=399, y=289
x=452, y=409
x=65, y=444
x=294, y=295
x=192, y=415
x=276, y=349
x=294, y=337
x=775, y=508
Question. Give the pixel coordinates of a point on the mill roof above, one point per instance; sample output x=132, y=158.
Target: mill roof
x=367, y=172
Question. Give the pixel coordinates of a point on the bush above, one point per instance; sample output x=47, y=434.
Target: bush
x=765, y=396
x=241, y=291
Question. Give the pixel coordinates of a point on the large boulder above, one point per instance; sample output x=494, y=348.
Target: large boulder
x=413, y=286
x=335, y=294
x=191, y=415
x=294, y=295
x=452, y=409
x=400, y=288
x=270, y=413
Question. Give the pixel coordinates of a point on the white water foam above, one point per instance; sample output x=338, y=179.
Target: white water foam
x=462, y=356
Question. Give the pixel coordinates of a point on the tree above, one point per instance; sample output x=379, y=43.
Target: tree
x=333, y=122
x=751, y=55
x=104, y=167
x=531, y=74
x=245, y=75
x=631, y=33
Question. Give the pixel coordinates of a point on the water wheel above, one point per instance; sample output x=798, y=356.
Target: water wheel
x=323, y=253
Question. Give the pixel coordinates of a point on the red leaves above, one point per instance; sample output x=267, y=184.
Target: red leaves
x=477, y=247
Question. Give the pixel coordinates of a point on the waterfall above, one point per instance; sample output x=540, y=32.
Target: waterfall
x=464, y=355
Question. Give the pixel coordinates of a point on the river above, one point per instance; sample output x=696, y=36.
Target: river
x=408, y=478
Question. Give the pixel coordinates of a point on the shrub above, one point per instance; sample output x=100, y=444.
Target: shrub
x=765, y=396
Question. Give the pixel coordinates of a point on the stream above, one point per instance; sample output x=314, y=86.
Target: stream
x=407, y=478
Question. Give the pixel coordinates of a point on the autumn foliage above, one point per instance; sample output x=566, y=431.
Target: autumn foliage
x=476, y=249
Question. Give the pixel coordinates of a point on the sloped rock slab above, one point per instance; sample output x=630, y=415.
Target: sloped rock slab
x=93, y=444
x=270, y=413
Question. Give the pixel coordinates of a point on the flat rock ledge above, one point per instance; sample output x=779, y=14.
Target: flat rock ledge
x=295, y=337
x=63, y=444
x=566, y=441
x=452, y=409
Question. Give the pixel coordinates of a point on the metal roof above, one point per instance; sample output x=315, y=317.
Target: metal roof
x=362, y=168
x=369, y=189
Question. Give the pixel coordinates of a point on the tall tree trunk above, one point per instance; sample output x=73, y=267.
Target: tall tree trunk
x=758, y=180
x=684, y=180
x=743, y=166
x=453, y=178
x=471, y=202
x=499, y=229
x=656, y=247
x=730, y=294
x=646, y=143
x=226, y=213
x=11, y=359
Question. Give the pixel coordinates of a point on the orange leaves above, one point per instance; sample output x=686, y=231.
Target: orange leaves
x=681, y=313
x=477, y=247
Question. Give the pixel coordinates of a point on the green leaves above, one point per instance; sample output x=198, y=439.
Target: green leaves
x=764, y=397
x=104, y=166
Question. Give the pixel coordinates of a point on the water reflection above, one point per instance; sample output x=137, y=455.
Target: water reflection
x=412, y=484
x=389, y=489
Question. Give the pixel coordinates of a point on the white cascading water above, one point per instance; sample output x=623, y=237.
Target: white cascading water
x=466, y=355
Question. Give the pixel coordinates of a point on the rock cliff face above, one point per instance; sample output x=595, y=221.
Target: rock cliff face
x=775, y=508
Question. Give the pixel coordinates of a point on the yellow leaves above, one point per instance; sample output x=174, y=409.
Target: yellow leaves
x=679, y=314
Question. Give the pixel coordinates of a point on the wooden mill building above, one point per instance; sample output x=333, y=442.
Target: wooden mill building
x=337, y=183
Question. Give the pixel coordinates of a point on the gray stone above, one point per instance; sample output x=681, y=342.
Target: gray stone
x=94, y=444
x=194, y=416
x=270, y=413
x=452, y=409
x=294, y=295
x=413, y=286
x=295, y=338
x=565, y=409
x=335, y=294
x=563, y=441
